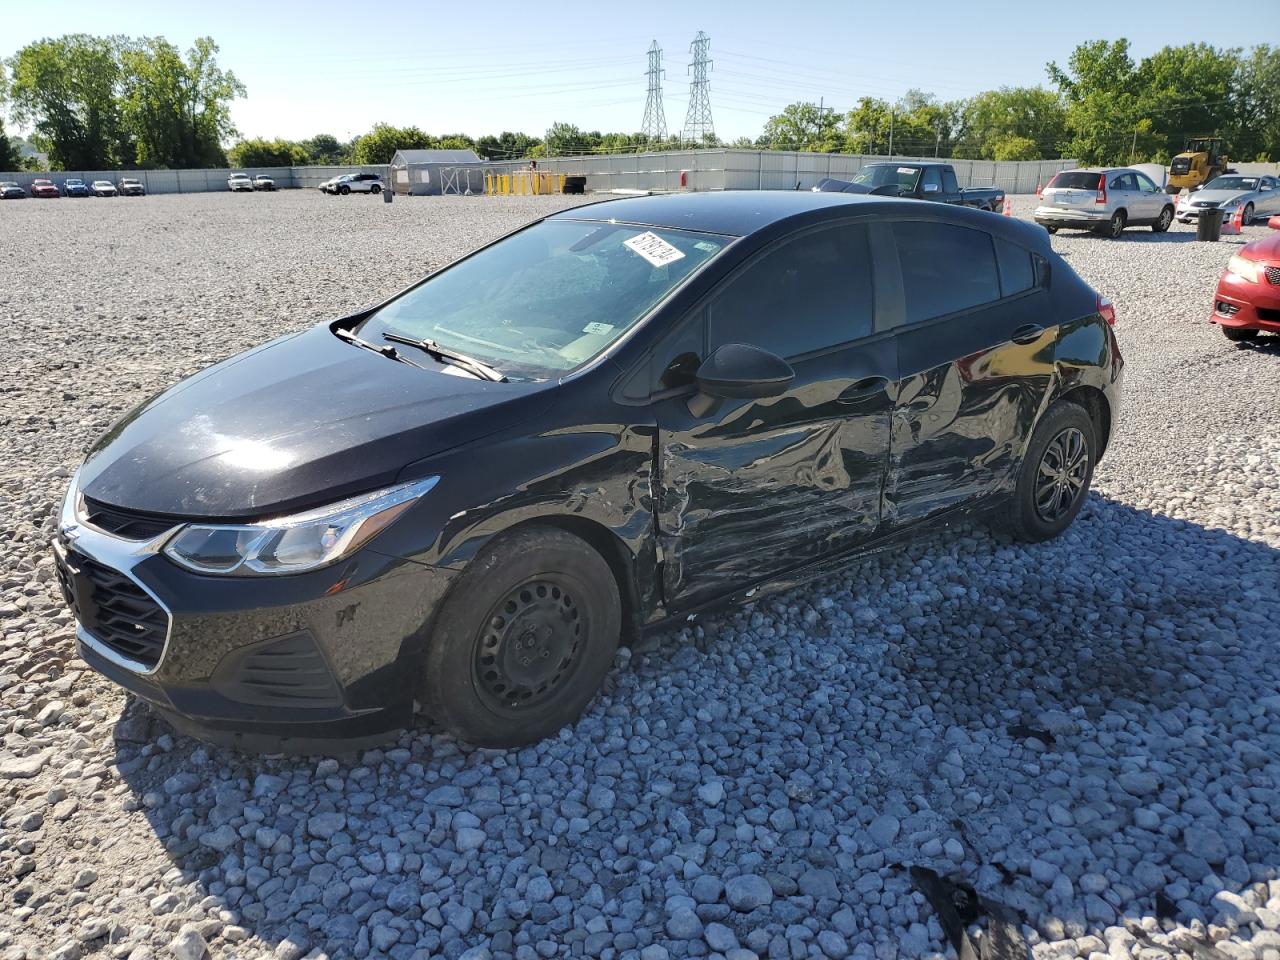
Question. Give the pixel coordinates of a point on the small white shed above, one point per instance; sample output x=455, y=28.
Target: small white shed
x=421, y=173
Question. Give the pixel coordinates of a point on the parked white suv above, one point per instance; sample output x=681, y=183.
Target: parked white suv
x=1105, y=200
x=354, y=183
x=239, y=181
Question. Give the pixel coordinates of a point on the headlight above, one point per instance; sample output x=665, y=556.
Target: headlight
x=1248, y=269
x=297, y=543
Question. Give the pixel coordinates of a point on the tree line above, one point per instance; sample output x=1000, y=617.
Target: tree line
x=108, y=102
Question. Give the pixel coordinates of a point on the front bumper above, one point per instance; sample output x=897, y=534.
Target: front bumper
x=1081, y=219
x=1242, y=304
x=322, y=660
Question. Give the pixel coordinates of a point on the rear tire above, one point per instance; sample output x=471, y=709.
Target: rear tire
x=375, y=189
x=1164, y=222
x=1239, y=334
x=523, y=639
x=1053, y=480
x=1115, y=226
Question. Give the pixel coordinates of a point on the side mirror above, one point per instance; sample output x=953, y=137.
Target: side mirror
x=739, y=371
x=932, y=188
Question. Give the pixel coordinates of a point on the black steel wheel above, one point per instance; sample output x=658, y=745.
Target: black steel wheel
x=1060, y=477
x=529, y=646
x=1054, y=477
x=523, y=640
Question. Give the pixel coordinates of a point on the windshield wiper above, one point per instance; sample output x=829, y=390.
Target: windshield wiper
x=388, y=351
x=461, y=360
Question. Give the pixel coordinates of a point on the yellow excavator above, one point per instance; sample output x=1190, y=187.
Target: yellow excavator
x=1203, y=160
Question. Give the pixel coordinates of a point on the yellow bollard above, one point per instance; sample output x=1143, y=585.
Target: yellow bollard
x=561, y=183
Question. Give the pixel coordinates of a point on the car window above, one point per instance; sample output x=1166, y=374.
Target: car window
x=549, y=298
x=1145, y=182
x=949, y=184
x=807, y=293
x=932, y=175
x=1075, y=180
x=1016, y=271
x=945, y=268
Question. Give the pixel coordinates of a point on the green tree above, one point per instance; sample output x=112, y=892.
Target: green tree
x=68, y=90
x=565, y=139
x=506, y=146
x=996, y=120
x=1100, y=86
x=10, y=158
x=866, y=127
x=380, y=144
x=178, y=110
x=267, y=153
x=325, y=148
x=1187, y=91
x=803, y=126
x=1255, y=121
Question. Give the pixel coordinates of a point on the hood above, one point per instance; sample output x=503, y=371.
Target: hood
x=301, y=421
x=1219, y=196
x=1268, y=248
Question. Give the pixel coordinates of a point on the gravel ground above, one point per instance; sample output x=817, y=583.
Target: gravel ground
x=1086, y=731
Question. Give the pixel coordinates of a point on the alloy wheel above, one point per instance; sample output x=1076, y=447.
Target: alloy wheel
x=529, y=646
x=1060, y=478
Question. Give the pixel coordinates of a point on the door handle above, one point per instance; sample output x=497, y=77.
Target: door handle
x=862, y=389
x=1027, y=333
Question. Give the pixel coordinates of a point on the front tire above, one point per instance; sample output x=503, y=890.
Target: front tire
x=1246, y=218
x=375, y=189
x=1164, y=222
x=1054, y=478
x=1239, y=334
x=1051, y=230
x=344, y=190
x=523, y=640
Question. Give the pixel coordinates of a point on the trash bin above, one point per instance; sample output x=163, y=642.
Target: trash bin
x=1209, y=225
x=575, y=184
x=388, y=193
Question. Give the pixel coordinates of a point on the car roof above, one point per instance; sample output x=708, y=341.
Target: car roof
x=738, y=213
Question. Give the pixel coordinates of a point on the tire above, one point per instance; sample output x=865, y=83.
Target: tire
x=1246, y=218
x=1239, y=334
x=1115, y=226
x=1065, y=444
x=1051, y=230
x=1164, y=222
x=533, y=602
x=375, y=189
x=344, y=190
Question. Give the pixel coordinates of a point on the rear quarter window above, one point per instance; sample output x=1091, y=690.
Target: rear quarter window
x=945, y=268
x=1017, y=272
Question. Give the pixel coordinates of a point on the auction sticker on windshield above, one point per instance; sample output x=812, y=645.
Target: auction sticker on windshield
x=653, y=248
x=906, y=169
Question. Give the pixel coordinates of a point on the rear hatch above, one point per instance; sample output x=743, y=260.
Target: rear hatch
x=1073, y=190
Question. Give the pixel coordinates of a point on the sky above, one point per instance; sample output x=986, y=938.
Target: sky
x=476, y=68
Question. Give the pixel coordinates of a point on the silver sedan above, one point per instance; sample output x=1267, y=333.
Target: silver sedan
x=1256, y=197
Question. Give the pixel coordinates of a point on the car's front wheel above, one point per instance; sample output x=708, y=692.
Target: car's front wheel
x=523, y=640
x=1239, y=334
x=1054, y=478
x=1246, y=218
x=1164, y=221
x=344, y=190
x=375, y=189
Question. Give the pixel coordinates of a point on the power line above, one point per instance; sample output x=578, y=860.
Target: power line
x=698, y=124
x=654, y=126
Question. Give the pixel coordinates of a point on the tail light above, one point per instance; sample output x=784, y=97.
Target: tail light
x=1107, y=310
x=1102, y=190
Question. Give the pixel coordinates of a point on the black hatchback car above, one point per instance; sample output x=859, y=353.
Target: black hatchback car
x=463, y=499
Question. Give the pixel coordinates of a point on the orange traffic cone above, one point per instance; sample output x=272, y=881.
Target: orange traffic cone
x=1235, y=226
x=1039, y=190
x=1008, y=207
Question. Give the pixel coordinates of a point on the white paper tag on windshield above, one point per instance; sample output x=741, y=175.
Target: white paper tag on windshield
x=906, y=169
x=600, y=329
x=653, y=248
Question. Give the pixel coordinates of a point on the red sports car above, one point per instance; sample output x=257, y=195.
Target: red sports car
x=44, y=188
x=1248, y=297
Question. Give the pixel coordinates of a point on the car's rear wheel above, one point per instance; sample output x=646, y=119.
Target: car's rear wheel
x=523, y=640
x=344, y=190
x=1164, y=221
x=1239, y=334
x=1115, y=226
x=375, y=189
x=1054, y=478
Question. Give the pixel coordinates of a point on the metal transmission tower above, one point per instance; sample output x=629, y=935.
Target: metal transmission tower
x=655, y=119
x=697, y=122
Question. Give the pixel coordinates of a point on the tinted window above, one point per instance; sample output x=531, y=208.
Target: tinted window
x=806, y=294
x=932, y=175
x=945, y=268
x=1076, y=180
x=949, y=181
x=1016, y=273
x=1123, y=181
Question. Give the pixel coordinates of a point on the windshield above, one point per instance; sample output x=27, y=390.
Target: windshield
x=1232, y=183
x=882, y=175
x=128, y=181
x=75, y=183
x=549, y=298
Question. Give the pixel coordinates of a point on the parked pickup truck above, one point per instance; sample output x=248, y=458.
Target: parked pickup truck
x=923, y=181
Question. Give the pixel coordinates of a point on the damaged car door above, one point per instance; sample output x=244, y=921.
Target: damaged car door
x=752, y=486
